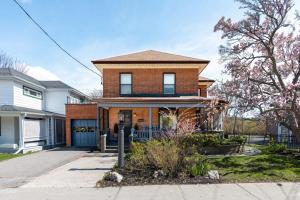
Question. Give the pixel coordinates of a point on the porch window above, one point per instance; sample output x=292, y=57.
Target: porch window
x=168, y=119
x=125, y=83
x=169, y=83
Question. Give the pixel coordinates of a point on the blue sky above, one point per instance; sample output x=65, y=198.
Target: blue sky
x=92, y=29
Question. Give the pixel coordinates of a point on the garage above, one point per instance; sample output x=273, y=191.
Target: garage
x=83, y=133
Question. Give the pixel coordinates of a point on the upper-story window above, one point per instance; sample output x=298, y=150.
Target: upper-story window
x=125, y=83
x=32, y=92
x=169, y=83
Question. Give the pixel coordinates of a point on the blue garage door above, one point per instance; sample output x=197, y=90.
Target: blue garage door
x=84, y=133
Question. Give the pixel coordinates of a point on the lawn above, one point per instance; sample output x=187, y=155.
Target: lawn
x=6, y=156
x=260, y=168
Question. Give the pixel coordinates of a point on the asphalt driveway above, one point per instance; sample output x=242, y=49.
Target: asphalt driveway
x=18, y=171
x=83, y=172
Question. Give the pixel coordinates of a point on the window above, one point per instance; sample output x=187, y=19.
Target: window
x=169, y=83
x=32, y=93
x=125, y=83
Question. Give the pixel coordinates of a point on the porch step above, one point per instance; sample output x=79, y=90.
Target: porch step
x=114, y=149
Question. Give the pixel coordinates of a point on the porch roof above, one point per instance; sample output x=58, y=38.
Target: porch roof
x=6, y=109
x=183, y=102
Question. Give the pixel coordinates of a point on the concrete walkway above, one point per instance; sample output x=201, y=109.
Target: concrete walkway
x=80, y=173
x=18, y=171
x=249, y=191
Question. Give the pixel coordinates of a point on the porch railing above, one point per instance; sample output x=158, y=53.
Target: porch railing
x=139, y=135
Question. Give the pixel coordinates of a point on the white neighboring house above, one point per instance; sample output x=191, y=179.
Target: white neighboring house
x=32, y=112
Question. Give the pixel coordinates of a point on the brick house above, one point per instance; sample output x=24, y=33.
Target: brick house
x=144, y=85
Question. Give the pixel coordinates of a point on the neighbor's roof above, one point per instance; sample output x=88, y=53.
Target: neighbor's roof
x=9, y=72
x=61, y=85
x=55, y=84
x=150, y=56
x=15, y=73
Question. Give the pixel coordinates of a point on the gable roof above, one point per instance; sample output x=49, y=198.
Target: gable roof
x=17, y=74
x=150, y=56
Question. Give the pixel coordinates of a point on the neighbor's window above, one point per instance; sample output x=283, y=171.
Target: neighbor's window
x=125, y=83
x=32, y=92
x=169, y=83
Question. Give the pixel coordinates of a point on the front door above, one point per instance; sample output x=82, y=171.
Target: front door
x=127, y=124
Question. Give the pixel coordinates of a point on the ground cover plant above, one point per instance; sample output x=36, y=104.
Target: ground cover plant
x=7, y=156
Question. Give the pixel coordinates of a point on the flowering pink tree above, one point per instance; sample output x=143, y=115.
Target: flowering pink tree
x=262, y=56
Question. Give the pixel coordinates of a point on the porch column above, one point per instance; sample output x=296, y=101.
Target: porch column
x=53, y=136
x=98, y=128
x=21, y=131
x=150, y=122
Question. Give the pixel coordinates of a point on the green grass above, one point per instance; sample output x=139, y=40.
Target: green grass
x=7, y=156
x=260, y=168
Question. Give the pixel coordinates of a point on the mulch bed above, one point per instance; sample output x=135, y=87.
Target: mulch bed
x=136, y=178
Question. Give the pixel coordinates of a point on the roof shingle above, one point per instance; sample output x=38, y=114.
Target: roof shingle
x=150, y=56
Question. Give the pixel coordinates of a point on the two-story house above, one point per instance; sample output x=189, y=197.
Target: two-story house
x=32, y=112
x=142, y=86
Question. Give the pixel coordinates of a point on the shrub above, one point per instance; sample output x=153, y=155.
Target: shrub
x=196, y=165
x=202, y=140
x=138, y=156
x=239, y=139
x=276, y=148
x=163, y=155
x=200, y=169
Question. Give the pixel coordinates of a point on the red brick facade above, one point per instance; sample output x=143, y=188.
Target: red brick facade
x=150, y=81
x=78, y=111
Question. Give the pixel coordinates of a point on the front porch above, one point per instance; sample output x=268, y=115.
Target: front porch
x=146, y=118
x=23, y=129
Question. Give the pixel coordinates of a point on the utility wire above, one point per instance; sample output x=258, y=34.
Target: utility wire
x=53, y=40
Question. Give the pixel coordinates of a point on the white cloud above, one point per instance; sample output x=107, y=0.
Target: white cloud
x=41, y=73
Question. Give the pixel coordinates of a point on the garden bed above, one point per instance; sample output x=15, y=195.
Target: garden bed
x=172, y=161
x=133, y=178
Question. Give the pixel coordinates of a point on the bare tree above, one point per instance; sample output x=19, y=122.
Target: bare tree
x=9, y=62
x=95, y=94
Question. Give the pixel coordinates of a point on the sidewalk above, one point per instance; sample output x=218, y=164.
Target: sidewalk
x=247, y=191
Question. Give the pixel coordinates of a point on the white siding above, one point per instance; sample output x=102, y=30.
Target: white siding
x=6, y=92
x=55, y=101
x=26, y=101
x=7, y=130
